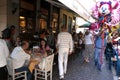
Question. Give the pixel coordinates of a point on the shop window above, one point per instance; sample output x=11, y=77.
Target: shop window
x=64, y=20
x=26, y=25
x=22, y=24
x=43, y=24
x=30, y=25
x=54, y=22
x=69, y=24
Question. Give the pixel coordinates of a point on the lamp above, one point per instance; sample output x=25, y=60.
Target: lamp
x=15, y=5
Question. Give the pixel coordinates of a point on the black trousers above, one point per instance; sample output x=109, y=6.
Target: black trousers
x=3, y=73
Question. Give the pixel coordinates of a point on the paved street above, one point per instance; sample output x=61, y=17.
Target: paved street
x=79, y=70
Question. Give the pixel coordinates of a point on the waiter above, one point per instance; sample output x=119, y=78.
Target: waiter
x=65, y=47
x=4, y=53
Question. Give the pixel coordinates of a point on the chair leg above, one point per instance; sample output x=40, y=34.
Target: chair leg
x=26, y=76
x=35, y=74
x=13, y=77
x=51, y=75
x=45, y=75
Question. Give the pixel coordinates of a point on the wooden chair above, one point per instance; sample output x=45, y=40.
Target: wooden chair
x=11, y=71
x=45, y=68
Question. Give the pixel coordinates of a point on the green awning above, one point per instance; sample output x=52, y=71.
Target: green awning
x=85, y=25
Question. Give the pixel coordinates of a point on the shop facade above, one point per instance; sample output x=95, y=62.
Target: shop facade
x=30, y=16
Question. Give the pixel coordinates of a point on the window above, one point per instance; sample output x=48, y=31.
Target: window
x=64, y=22
x=22, y=24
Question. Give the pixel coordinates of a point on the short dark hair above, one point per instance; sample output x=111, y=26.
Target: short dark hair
x=24, y=42
x=87, y=32
x=12, y=27
x=63, y=27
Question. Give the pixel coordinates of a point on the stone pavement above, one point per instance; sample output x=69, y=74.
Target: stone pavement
x=79, y=70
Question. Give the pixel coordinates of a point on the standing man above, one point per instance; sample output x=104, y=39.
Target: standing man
x=8, y=36
x=100, y=44
x=4, y=53
x=65, y=46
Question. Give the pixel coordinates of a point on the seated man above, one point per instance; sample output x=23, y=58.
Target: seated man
x=20, y=56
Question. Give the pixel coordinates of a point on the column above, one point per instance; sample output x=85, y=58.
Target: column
x=38, y=2
x=50, y=11
x=13, y=15
x=3, y=14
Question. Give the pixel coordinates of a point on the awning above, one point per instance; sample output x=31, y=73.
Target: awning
x=84, y=7
x=81, y=7
x=86, y=25
x=61, y=5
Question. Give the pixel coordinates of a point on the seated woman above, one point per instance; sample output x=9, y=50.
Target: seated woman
x=44, y=48
x=20, y=56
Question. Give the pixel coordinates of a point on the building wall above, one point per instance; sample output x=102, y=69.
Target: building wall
x=13, y=18
x=7, y=18
x=3, y=14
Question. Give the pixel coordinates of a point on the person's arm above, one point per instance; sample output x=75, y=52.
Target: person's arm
x=58, y=41
x=92, y=39
x=6, y=50
x=27, y=56
x=71, y=44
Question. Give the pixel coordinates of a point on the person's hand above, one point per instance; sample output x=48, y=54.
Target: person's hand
x=29, y=51
x=70, y=53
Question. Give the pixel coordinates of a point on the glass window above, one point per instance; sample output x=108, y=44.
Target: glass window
x=22, y=24
x=64, y=22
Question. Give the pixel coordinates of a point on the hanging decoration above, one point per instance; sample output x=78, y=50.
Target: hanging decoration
x=106, y=14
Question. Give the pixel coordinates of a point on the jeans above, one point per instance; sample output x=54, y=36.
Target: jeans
x=25, y=68
x=97, y=60
x=118, y=67
x=110, y=62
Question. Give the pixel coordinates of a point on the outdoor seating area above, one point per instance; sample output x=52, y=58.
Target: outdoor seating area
x=41, y=69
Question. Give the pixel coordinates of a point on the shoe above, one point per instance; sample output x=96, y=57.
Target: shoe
x=62, y=79
x=95, y=63
x=64, y=73
x=87, y=61
x=99, y=68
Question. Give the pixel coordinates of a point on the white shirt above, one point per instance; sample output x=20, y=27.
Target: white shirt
x=19, y=57
x=4, y=53
x=89, y=39
x=64, y=40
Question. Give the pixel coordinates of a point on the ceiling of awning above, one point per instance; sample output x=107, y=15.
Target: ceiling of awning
x=81, y=7
x=61, y=5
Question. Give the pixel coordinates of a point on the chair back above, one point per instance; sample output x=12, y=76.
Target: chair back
x=10, y=66
x=49, y=62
